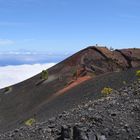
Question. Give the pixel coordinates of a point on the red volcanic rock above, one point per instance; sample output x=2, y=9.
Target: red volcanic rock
x=100, y=60
x=132, y=55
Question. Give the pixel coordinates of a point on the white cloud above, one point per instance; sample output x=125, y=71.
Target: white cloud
x=10, y=75
x=6, y=42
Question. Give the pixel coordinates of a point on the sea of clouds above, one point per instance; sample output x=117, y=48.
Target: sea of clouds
x=10, y=75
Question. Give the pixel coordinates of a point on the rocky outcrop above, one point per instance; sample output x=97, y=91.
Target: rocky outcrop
x=101, y=60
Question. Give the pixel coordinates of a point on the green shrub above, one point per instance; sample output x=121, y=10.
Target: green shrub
x=44, y=74
x=93, y=74
x=30, y=122
x=7, y=89
x=106, y=90
x=138, y=73
x=124, y=82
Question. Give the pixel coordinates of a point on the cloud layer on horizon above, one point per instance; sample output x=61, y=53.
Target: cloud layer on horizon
x=10, y=75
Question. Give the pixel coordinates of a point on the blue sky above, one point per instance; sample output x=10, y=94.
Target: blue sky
x=66, y=26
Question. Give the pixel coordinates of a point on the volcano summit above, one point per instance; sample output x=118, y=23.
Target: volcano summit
x=77, y=80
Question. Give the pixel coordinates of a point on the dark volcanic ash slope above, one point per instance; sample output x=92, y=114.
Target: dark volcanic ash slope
x=69, y=83
x=113, y=117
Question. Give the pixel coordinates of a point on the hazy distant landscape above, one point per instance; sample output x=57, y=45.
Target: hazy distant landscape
x=20, y=59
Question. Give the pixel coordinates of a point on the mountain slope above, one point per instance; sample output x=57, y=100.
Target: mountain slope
x=74, y=80
x=113, y=117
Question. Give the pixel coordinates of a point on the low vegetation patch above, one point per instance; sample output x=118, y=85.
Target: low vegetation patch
x=7, y=89
x=106, y=90
x=44, y=74
x=124, y=82
x=30, y=122
x=93, y=74
x=138, y=73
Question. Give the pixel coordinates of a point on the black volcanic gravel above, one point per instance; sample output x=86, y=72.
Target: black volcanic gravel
x=113, y=117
